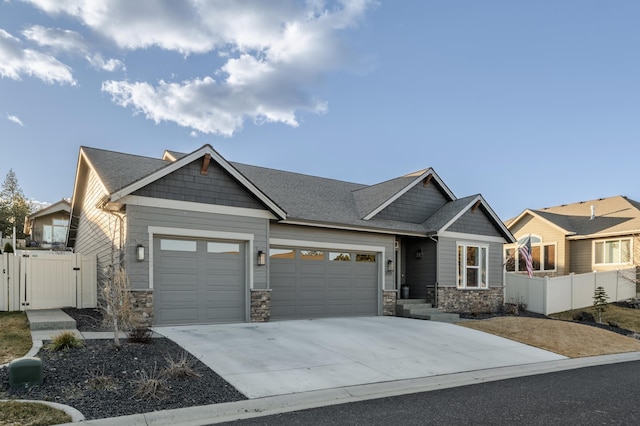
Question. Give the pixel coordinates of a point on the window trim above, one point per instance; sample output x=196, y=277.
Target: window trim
x=463, y=279
x=605, y=240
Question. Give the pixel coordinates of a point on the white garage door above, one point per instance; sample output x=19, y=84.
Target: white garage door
x=308, y=283
x=198, y=281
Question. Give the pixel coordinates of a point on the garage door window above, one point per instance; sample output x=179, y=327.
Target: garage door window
x=360, y=257
x=178, y=245
x=312, y=255
x=282, y=253
x=224, y=248
x=339, y=257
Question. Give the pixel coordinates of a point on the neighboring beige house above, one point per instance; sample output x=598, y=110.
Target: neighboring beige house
x=48, y=227
x=596, y=235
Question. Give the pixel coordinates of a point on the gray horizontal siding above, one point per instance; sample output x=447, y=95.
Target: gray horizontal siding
x=416, y=205
x=99, y=233
x=187, y=184
x=141, y=217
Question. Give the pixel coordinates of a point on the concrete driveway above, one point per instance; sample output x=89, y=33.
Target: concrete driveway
x=276, y=358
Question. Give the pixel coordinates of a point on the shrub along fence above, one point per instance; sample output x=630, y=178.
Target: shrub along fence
x=545, y=295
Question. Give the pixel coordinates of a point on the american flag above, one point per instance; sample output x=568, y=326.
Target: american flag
x=525, y=254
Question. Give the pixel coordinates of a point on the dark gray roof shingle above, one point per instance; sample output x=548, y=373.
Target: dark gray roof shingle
x=303, y=197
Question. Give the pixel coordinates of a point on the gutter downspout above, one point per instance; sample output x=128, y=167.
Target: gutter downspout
x=435, y=292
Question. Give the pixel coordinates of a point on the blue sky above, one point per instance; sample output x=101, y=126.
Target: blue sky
x=531, y=104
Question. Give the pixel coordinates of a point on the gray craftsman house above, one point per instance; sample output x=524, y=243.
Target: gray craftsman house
x=205, y=240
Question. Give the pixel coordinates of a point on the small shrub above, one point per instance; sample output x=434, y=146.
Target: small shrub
x=65, y=340
x=140, y=334
x=8, y=248
x=100, y=381
x=584, y=316
x=150, y=386
x=181, y=368
x=613, y=324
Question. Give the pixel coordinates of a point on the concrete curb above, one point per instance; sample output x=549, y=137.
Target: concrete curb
x=224, y=412
x=76, y=416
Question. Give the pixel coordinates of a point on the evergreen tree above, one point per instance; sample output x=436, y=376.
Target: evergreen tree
x=14, y=207
x=600, y=301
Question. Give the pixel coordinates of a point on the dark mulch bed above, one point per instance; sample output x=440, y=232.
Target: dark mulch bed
x=100, y=382
x=87, y=319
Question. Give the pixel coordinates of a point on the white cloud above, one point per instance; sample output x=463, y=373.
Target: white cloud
x=16, y=61
x=275, y=54
x=60, y=40
x=15, y=120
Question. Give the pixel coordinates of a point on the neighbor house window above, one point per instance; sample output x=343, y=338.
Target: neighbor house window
x=543, y=256
x=339, y=257
x=311, y=254
x=612, y=252
x=56, y=232
x=473, y=266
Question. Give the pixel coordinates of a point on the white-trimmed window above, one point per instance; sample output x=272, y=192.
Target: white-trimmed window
x=473, y=265
x=543, y=256
x=56, y=232
x=612, y=252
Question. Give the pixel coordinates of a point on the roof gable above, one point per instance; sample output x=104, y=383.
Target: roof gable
x=611, y=216
x=444, y=219
x=373, y=199
x=205, y=150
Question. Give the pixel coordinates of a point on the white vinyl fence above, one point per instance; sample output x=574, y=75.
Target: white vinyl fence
x=551, y=295
x=40, y=280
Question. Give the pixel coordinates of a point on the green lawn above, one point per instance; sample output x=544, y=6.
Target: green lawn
x=15, y=337
x=625, y=317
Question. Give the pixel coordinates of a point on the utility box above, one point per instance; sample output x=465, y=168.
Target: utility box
x=25, y=372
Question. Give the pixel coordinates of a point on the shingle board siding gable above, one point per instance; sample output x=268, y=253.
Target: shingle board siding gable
x=475, y=222
x=99, y=232
x=414, y=206
x=188, y=184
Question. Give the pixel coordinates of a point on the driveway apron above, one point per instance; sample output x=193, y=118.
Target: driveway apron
x=283, y=357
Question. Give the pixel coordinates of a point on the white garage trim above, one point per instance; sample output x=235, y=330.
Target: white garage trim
x=200, y=234
x=340, y=246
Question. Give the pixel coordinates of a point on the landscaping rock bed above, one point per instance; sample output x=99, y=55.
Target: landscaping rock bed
x=100, y=381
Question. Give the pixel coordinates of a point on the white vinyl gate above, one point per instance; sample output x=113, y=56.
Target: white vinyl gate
x=45, y=280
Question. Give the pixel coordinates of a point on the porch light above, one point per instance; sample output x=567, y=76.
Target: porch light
x=389, y=265
x=140, y=253
x=419, y=254
x=262, y=258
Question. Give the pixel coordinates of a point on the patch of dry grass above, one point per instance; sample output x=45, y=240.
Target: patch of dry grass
x=570, y=339
x=32, y=414
x=624, y=317
x=15, y=337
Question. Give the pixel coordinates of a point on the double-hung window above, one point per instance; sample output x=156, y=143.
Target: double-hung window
x=473, y=266
x=612, y=252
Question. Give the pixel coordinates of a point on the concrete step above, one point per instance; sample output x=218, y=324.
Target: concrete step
x=410, y=301
x=50, y=319
x=421, y=310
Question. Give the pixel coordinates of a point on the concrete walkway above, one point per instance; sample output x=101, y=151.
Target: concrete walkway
x=286, y=357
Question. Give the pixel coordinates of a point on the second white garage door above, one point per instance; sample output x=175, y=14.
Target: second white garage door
x=198, y=281
x=308, y=283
